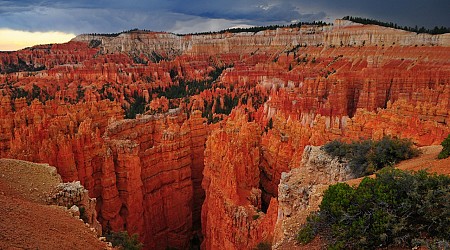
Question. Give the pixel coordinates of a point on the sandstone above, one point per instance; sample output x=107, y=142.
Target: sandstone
x=65, y=104
x=75, y=211
x=230, y=216
x=72, y=195
x=300, y=190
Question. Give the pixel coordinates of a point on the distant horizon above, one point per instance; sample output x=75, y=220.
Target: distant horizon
x=73, y=17
x=14, y=40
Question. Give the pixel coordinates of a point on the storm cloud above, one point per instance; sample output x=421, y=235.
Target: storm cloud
x=182, y=16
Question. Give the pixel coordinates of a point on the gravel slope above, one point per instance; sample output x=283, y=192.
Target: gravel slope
x=26, y=222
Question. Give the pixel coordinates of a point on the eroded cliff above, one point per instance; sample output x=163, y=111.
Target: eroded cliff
x=263, y=97
x=231, y=214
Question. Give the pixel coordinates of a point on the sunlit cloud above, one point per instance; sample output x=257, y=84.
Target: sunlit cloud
x=17, y=39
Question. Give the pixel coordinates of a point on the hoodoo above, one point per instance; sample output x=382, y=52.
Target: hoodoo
x=184, y=139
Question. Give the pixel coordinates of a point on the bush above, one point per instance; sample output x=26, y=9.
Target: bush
x=398, y=208
x=124, y=241
x=446, y=148
x=263, y=246
x=367, y=156
x=83, y=215
x=310, y=229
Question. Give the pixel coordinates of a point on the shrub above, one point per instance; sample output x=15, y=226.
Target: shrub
x=336, y=148
x=124, y=241
x=397, y=208
x=263, y=246
x=83, y=215
x=446, y=148
x=367, y=156
x=310, y=229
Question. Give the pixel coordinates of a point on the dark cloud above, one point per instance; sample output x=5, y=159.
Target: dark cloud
x=83, y=16
x=428, y=13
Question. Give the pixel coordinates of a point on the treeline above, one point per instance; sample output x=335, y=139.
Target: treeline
x=116, y=34
x=259, y=28
x=232, y=30
x=436, y=30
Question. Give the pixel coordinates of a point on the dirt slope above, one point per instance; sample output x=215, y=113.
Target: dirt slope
x=26, y=222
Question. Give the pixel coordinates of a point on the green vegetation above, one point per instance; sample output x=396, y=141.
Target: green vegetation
x=367, y=156
x=95, y=43
x=446, y=148
x=263, y=246
x=18, y=93
x=80, y=93
x=137, y=106
x=124, y=241
x=397, y=208
x=261, y=28
x=21, y=66
x=156, y=57
x=35, y=93
x=105, y=92
x=229, y=103
x=188, y=88
x=233, y=30
x=434, y=31
x=180, y=89
x=183, y=89
x=308, y=231
x=83, y=215
x=116, y=34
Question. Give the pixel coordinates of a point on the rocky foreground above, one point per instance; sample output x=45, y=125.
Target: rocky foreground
x=215, y=119
x=31, y=220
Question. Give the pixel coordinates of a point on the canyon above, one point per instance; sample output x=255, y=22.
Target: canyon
x=184, y=139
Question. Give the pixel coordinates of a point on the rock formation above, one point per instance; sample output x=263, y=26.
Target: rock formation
x=259, y=106
x=153, y=165
x=300, y=189
x=40, y=211
x=73, y=195
x=231, y=215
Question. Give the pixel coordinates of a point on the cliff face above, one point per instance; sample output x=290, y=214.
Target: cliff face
x=153, y=165
x=343, y=33
x=45, y=56
x=301, y=188
x=266, y=96
x=142, y=168
x=231, y=215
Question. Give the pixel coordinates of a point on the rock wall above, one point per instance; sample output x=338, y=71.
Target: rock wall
x=349, y=33
x=142, y=172
x=342, y=33
x=317, y=167
x=74, y=196
x=300, y=190
x=153, y=160
x=231, y=214
x=293, y=87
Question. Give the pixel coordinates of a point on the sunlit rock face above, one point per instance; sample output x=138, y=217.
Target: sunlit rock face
x=189, y=167
x=232, y=215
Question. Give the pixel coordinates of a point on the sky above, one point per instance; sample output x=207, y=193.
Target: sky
x=27, y=22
